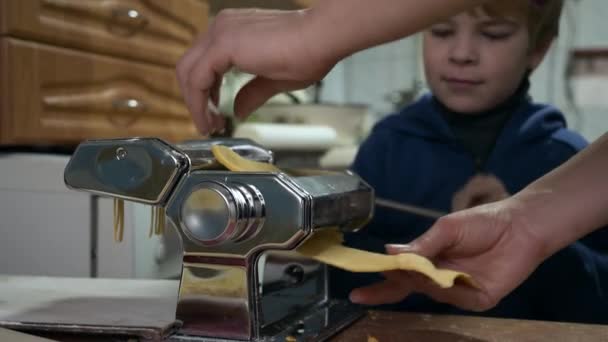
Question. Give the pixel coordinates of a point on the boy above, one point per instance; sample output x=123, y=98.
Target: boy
x=479, y=121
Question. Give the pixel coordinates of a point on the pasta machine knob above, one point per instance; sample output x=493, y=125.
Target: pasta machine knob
x=215, y=213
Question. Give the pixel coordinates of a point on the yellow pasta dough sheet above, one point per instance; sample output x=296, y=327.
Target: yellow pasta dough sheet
x=326, y=245
x=234, y=162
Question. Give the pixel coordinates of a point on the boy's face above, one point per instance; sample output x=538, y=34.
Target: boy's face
x=475, y=62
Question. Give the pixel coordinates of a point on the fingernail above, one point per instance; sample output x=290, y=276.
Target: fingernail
x=394, y=248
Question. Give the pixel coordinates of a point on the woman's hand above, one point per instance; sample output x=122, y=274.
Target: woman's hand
x=494, y=243
x=278, y=47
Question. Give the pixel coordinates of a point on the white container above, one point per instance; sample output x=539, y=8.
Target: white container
x=289, y=136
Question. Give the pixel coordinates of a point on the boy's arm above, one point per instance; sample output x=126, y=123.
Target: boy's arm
x=290, y=50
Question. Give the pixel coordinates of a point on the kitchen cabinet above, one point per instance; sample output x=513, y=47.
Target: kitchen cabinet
x=72, y=70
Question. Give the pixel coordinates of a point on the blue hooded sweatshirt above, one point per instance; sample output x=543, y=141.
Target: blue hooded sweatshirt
x=413, y=157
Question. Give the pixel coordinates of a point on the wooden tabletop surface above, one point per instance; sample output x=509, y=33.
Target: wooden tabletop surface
x=393, y=326
x=120, y=304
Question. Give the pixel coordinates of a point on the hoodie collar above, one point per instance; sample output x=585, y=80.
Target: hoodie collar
x=478, y=133
x=423, y=118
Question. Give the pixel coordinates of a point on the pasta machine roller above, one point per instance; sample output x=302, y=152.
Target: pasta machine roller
x=241, y=279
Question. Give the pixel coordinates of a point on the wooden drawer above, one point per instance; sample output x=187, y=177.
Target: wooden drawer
x=157, y=31
x=57, y=95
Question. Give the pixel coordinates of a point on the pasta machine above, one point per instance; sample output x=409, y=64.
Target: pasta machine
x=241, y=279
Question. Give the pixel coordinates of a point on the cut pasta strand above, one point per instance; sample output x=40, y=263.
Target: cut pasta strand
x=119, y=223
x=157, y=221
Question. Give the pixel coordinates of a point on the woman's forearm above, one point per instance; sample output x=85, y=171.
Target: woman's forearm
x=572, y=200
x=354, y=25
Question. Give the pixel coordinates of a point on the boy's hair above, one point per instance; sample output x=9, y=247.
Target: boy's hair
x=541, y=16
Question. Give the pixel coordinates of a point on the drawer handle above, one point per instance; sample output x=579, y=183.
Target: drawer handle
x=129, y=104
x=127, y=21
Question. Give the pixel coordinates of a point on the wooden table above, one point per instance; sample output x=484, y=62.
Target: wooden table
x=393, y=327
x=144, y=309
